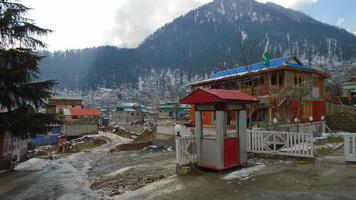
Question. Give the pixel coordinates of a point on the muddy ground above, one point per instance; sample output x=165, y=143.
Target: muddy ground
x=92, y=174
x=149, y=174
x=326, y=178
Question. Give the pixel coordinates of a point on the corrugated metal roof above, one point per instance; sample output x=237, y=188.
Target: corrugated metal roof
x=81, y=112
x=274, y=63
x=206, y=96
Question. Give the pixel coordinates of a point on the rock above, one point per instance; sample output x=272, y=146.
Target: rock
x=184, y=170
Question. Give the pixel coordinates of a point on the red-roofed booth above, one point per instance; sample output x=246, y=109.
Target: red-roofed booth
x=225, y=148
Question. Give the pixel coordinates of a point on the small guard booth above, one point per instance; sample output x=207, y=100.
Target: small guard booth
x=224, y=146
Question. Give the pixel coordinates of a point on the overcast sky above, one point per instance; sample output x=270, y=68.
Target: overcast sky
x=125, y=23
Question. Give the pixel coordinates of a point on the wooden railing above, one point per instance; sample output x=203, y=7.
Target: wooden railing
x=350, y=147
x=280, y=143
x=185, y=150
x=288, y=92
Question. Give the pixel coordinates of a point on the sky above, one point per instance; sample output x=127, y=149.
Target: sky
x=125, y=23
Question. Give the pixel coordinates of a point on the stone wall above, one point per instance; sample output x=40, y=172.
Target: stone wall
x=342, y=121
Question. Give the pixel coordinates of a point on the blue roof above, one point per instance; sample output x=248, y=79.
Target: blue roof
x=275, y=63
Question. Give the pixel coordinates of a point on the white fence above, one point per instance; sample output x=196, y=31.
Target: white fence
x=280, y=143
x=317, y=128
x=185, y=150
x=350, y=147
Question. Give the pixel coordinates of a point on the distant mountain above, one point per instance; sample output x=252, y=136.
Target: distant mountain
x=218, y=35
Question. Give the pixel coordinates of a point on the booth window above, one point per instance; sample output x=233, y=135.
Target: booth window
x=231, y=123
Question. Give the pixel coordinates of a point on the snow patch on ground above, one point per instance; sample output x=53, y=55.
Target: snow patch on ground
x=154, y=190
x=34, y=164
x=119, y=171
x=243, y=174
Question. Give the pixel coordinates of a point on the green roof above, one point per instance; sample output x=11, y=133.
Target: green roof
x=349, y=87
x=68, y=97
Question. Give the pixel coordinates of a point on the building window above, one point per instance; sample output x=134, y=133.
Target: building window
x=262, y=80
x=298, y=79
x=281, y=78
x=274, y=79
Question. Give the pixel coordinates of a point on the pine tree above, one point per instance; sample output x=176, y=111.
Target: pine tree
x=21, y=94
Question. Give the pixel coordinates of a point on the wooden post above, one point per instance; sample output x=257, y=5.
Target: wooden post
x=198, y=134
x=220, y=132
x=178, y=151
x=242, y=136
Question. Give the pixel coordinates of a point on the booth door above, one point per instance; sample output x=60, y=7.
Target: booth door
x=230, y=152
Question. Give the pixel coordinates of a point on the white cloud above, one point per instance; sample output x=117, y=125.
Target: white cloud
x=340, y=21
x=136, y=19
x=294, y=4
x=87, y=23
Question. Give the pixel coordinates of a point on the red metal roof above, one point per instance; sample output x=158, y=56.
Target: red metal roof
x=206, y=96
x=84, y=112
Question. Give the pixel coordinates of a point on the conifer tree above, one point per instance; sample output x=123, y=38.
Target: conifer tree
x=21, y=93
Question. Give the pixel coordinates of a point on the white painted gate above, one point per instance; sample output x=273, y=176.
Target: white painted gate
x=350, y=147
x=280, y=143
x=185, y=150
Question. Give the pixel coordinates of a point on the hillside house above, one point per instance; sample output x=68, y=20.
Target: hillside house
x=58, y=103
x=287, y=90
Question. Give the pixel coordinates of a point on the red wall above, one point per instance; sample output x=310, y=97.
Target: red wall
x=231, y=157
x=318, y=110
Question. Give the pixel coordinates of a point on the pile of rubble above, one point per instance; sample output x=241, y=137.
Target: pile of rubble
x=140, y=141
x=117, y=129
x=79, y=144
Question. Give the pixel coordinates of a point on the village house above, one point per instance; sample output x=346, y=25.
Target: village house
x=58, y=103
x=349, y=90
x=77, y=120
x=288, y=91
x=81, y=115
x=173, y=110
x=80, y=121
x=129, y=112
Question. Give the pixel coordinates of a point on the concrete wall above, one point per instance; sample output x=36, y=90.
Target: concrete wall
x=122, y=116
x=79, y=129
x=15, y=145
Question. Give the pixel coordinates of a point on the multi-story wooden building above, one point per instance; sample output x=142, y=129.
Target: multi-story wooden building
x=287, y=90
x=58, y=103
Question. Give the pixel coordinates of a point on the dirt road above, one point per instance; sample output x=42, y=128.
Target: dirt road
x=70, y=177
